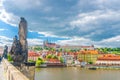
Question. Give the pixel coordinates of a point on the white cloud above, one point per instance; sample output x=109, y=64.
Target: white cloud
x=50, y=34
x=92, y=20
x=8, y=41
x=75, y=41
x=5, y=41
x=110, y=42
x=3, y=29
x=7, y=17
x=47, y=9
x=105, y=4
x=97, y=19
x=46, y=34
x=113, y=39
x=51, y=18
x=35, y=42
x=26, y=4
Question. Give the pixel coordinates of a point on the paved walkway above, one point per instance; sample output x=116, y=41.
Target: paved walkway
x=2, y=74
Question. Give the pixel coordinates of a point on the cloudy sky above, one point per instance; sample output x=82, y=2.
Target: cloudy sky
x=66, y=22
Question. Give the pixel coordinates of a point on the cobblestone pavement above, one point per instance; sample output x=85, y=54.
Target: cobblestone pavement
x=2, y=74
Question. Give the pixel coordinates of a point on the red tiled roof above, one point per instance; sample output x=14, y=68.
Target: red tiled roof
x=53, y=60
x=89, y=52
x=50, y=44
x=32, y=54
x=86, y=46
x=109, y=57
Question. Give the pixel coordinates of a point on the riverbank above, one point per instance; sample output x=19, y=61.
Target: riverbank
x=106, y=67
x=91, y=67
x=47, y=65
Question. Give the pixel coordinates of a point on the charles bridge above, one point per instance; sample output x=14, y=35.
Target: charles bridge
x=19, y=69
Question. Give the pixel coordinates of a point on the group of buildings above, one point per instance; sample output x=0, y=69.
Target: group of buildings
x=68, y=57
x=54, y=45
x=85, y=54
x=108, y=59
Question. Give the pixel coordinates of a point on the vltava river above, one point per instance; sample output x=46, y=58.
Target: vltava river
x=74, y=73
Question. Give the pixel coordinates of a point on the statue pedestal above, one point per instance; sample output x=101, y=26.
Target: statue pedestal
x=28, y=69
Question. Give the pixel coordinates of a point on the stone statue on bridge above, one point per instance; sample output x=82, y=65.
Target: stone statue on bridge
x=5, y=52
x=19, y=49
x=23, y=38
x=16, y=51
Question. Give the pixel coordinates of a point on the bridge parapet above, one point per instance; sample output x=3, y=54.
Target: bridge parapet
x=11, y=72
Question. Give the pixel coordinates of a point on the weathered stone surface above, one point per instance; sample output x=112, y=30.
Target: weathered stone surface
x=12, y=73
x=5, y=51
x=19, y=49
x=19, y=52
x=23, y=38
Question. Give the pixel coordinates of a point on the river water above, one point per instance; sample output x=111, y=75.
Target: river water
x=74, y=73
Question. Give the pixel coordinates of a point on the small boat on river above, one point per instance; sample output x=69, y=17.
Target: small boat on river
x=92, y=68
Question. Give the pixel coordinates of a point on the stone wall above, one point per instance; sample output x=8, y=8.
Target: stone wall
x=11, y=72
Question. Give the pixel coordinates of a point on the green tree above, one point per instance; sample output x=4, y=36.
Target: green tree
x=39, y=62
x=9, y=57
x=40, y=59
x=54, y=57
x=61, y=49
x=49, y=56
x=37, y=48
x=61, y=59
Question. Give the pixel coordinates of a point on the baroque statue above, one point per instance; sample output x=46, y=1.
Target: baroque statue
x=19, y=49
x=5, y=52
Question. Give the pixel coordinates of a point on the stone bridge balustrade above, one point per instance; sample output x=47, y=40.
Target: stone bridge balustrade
x=11, y=72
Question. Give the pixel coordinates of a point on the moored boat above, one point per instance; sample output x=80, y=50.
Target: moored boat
x=92, y=68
